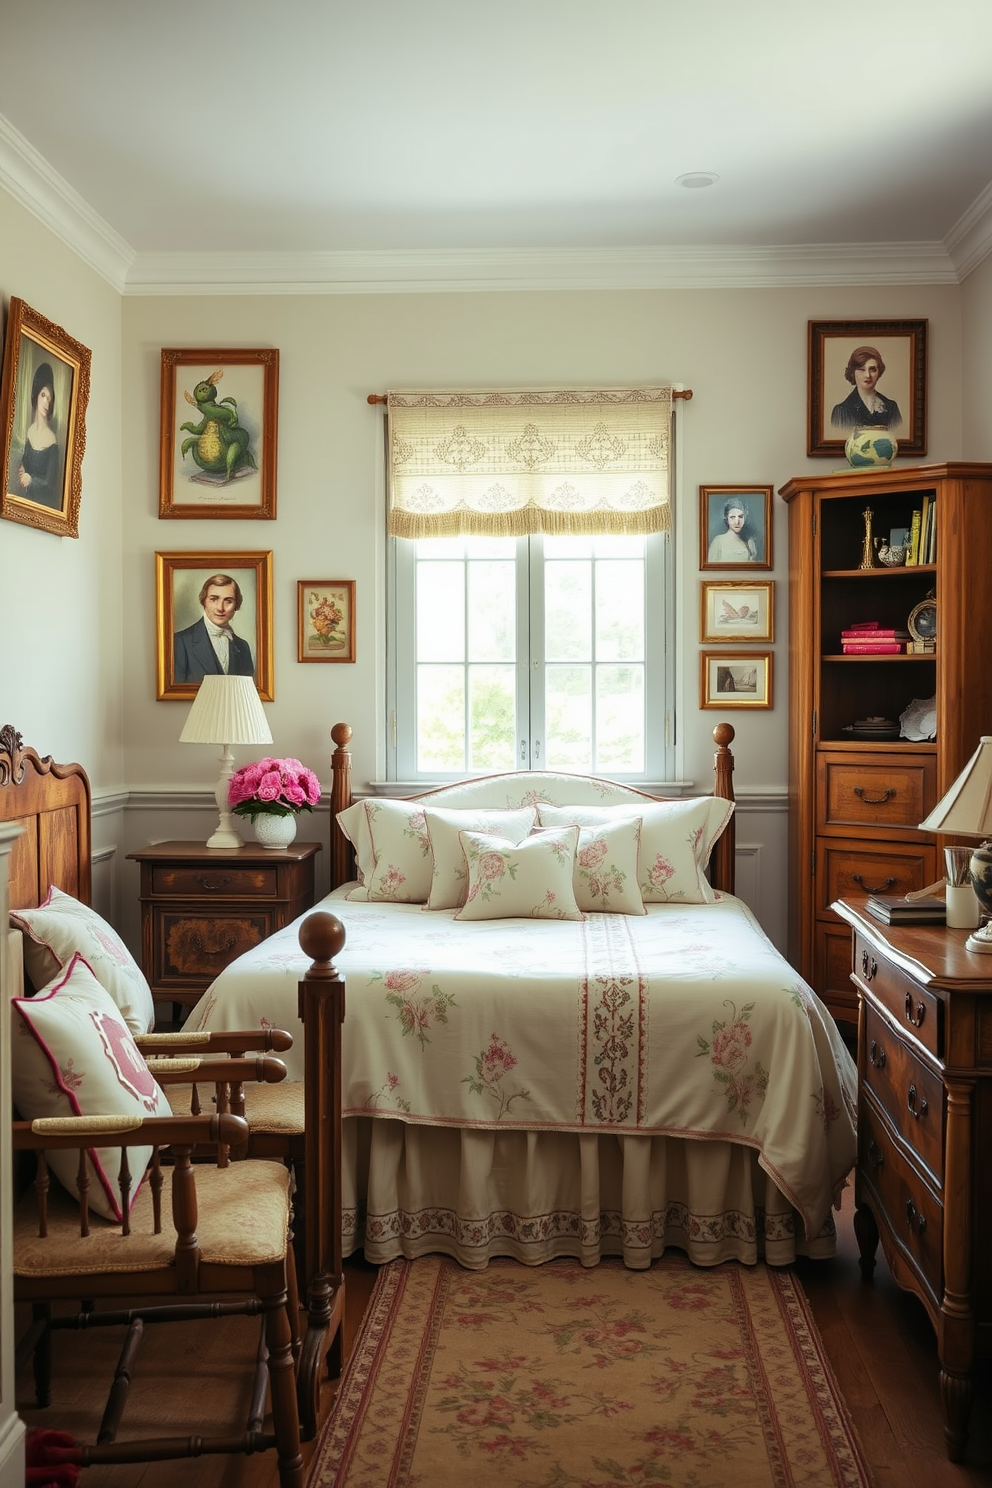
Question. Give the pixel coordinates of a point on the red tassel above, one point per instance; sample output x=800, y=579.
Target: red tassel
x=48, y=1459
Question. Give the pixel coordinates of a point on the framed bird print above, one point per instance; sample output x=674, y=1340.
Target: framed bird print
x=737, y=611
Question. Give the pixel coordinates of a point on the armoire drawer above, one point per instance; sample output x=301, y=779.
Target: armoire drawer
x=909, y=1092
x=848, y=867
x=872, y=790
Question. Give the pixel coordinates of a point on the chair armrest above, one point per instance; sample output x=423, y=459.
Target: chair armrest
x=232, y=1041
x=264, y=1070
x=60, y=1132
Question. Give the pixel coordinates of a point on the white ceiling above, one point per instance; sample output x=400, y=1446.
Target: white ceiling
x=314, y=137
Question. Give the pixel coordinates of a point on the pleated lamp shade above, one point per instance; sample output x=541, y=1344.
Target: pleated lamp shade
x=965, y=809
x=226, y=710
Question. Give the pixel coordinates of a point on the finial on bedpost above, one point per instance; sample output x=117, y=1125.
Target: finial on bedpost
x=340, y=798
x=722, y=861
x=321, y=937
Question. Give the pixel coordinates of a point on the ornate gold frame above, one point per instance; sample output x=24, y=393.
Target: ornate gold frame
x=251, y=570
x=711, y=696
x=310, y=592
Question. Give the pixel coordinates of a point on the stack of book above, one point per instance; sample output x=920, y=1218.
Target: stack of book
x=870, y=638
x=895, y=909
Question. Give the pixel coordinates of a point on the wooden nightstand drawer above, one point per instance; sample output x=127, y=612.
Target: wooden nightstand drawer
x=194, y=947
x=854, y=867
x=909, y=1215
x=857, y=790
x=915, y=1009
x=909, y=1092
x=189, y=882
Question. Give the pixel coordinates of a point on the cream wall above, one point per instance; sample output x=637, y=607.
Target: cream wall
x=976, y=362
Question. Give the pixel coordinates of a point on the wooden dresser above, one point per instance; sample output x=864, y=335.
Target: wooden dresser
x=925, y=1134
x=201, y=907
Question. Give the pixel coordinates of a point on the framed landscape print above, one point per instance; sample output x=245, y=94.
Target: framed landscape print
x=326, y=619
x=735, y=526
x=735, y=679
x=866, y=374
x=737, y=610
x=213, y=613
x=218, y=433
x=43, y=395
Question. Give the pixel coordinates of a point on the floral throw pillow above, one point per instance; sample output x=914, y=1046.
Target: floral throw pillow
x=401, y=852
x=62, y=927
x=527, y=880
x=449, y=883
x=73, y=1055
x=605, y=876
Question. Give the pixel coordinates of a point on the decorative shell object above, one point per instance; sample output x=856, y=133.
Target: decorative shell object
x=871, y=449
x=920, y=719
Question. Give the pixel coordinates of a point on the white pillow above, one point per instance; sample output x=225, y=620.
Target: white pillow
x=401, y=853
x=449, y=883
x=354, y=824
x=74, y=1056
x=605, y=874
x=527, y=880
x=61, y=927
x=677, y=838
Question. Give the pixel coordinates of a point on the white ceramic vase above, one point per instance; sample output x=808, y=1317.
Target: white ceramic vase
x=275, y=831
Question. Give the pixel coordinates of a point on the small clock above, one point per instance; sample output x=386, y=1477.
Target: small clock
x=922, y=622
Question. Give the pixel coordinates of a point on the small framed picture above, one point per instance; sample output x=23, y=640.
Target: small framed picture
x=737, y=610
x=43, y=398
x=213, y=613
x=866, y=374
x=217, y=455
x=735, y=679
x=735, y=527
x=326, y=619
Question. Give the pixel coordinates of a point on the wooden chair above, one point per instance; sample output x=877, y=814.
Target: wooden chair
x=221, y=1250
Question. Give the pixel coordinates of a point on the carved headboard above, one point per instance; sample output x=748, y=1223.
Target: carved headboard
x=52, y=803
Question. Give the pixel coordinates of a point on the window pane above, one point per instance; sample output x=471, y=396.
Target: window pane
x=440, y=611
x=567, y=611
x=568, y=718
x=620, y=719
x=619, y=610
x=440, y=718
x=492, y=631
x=492, y=717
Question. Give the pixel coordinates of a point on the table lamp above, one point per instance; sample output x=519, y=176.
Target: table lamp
x=966, y=811
x=226, y=711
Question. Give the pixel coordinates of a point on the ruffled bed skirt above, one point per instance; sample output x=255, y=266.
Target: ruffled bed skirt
x=536, y=1196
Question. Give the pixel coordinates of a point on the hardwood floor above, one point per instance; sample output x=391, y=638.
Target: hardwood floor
x=878, y=1339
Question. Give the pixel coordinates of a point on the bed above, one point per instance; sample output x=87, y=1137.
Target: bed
x=609, y=1084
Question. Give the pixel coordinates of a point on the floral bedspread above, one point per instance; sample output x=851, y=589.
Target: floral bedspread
x=686, y=1021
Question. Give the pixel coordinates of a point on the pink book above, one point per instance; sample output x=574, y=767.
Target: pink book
x=873, y=648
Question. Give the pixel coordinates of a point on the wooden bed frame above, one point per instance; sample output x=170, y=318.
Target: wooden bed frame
x=722, y=861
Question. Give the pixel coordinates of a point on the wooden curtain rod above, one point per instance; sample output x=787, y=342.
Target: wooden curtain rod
x=383, y=397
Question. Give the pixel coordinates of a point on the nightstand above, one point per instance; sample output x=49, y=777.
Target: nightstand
x=201, y=907
x=925, y=1134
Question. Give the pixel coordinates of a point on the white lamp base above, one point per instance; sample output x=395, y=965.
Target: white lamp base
x=981, y=940
x=225, y=834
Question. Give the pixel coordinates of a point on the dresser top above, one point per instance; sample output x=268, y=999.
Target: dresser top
x=931, y=954
x=249, y=852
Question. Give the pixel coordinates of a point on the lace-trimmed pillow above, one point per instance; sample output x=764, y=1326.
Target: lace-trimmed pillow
x=605, y=874
x=527, y=880
x=398, y=863
x=449, y=883
x=62, y=927
x=74, y=1056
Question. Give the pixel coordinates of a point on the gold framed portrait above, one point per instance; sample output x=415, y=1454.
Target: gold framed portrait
x=213, y=613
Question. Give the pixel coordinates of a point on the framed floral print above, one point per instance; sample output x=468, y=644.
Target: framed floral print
x=213, y=613
x=43, y=395
x=326, y=619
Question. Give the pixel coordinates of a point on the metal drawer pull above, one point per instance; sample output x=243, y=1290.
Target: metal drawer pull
x=868, y=966
x=878, y=889
x=921, y=1011
x=212, y=883
x=876, y=1056
x=875, y=1155
x=917, y=1221
x=881, y=800
x=911, y=1099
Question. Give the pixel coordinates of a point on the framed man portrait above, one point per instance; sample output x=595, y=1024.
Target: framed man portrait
x=217, y=455
x=213, y=614
x=43, y=396
x=735, y=526
x=866, y=374
x=735, y=679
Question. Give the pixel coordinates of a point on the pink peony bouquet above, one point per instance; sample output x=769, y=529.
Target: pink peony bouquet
x=273, y=787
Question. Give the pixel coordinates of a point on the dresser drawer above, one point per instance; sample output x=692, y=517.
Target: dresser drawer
x=860, y=790
x=916, y=1011
x=909, y=1092
x=847, y=867
x=909, y=1216
x=190, y=881
x=194, y=948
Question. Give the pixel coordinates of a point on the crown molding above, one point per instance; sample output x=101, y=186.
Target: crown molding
x=970, y=239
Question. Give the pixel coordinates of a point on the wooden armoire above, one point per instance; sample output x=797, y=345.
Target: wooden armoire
x=856, y=797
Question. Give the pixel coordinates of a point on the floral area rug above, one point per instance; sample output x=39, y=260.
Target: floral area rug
x=557, y=1376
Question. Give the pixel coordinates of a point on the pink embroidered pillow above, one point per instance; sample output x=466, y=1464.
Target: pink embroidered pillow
x=605, y=874
x=401, y=863
x=74, y=1056
x=529, y=880
x=62, y=927
x=449, y=882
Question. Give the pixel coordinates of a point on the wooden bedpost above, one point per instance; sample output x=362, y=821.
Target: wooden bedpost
x=722, y=861
x=340, y=799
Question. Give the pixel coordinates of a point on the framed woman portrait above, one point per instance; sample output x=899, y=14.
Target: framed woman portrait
x=737, y=611
x=213, y=614
x=326, y=619
x=735, y=527
x=867, y=375
x=735, y=679
x=44, y=393
x=217, y=455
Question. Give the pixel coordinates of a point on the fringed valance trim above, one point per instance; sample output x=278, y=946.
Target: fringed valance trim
x=529, y=522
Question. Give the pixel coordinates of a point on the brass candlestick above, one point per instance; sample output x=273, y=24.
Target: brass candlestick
x=868, y=545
